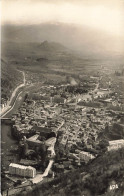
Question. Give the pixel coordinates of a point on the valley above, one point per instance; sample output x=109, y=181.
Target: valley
x=62, y=122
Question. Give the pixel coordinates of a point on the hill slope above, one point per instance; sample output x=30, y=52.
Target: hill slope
x=51, y=46
x=87, y=40
x=95, y=179
x=10, y=78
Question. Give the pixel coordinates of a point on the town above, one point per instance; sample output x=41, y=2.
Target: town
x=62, y=127
x=62, y=98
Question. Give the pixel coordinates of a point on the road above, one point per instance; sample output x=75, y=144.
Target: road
x=8, y=107
x=40, y=177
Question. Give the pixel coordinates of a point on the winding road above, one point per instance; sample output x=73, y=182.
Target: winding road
x=8, y=107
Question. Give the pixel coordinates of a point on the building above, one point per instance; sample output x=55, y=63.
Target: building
x=106, y=102
x=21, y=170
x=115, y=144
x=51, y=152
x=84, y=110
x=34, y=141
x=85, y=156
x=58, y=99
x=50, y=142
x=43, y=131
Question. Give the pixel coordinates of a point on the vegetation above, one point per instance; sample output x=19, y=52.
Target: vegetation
x=48, y=62
x=96, y=180
x=115, y=132
x=52, y=63
x=10, y=79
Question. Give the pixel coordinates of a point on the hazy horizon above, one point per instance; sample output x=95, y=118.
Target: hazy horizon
x=88, y=26
x=102, y=15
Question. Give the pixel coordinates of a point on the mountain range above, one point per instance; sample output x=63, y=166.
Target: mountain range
x=85, y=40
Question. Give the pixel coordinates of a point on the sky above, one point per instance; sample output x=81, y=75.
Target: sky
x=105, y=15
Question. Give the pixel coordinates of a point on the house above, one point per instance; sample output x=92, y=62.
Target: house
x=115, y=144
x=58, y=99
x=85, y=156
x=34, y=141
x=51, y=141
x=106, y=102
x=21, y=170
x=44, y=131
x=51, y=152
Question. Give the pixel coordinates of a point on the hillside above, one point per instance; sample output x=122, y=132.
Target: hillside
x=95, y=179
x=10, y=78
x=45, y=49
x=52, y=61
x=51, y=46
x=49, y=60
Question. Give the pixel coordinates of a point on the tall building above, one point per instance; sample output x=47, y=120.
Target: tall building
x=25, y=171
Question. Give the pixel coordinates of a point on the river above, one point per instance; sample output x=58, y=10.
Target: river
x=7, y=146
x=7, y=142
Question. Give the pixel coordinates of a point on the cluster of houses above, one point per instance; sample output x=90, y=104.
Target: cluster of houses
x=53, y=114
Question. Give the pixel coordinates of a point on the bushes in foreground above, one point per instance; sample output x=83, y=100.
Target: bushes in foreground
x=94, y=181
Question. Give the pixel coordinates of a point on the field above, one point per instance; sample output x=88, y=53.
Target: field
x=52, y=62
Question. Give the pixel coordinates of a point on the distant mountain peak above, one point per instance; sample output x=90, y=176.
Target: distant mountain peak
x=49, y=46
x=44, y=42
